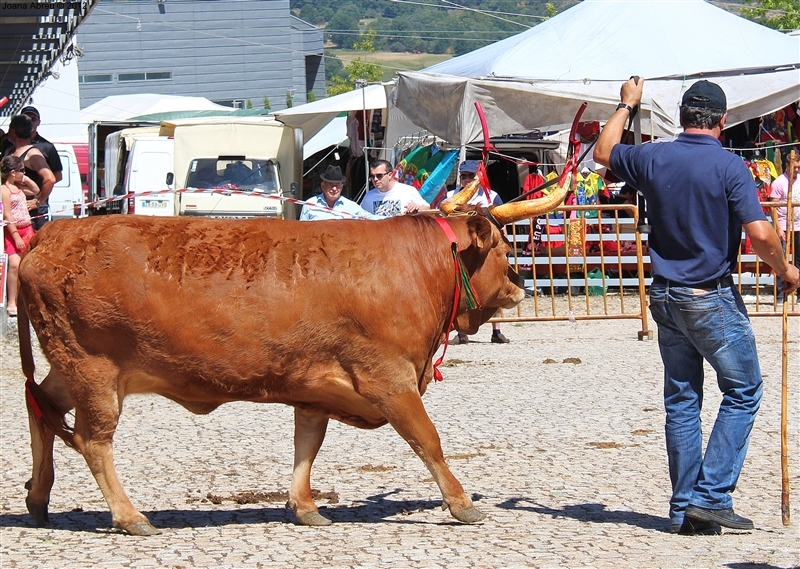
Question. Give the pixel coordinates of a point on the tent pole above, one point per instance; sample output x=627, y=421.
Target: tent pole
x=362, y=83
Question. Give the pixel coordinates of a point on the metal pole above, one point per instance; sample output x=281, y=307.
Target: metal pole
x=791, y=174
x=362, y=84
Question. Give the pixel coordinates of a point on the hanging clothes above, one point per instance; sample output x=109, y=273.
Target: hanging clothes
x=764, y=173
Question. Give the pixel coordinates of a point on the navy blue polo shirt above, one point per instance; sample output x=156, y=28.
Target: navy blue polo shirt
x=698, y=196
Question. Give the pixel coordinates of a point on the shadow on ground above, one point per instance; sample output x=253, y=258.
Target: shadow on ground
x=590, y=512
x=377, y=508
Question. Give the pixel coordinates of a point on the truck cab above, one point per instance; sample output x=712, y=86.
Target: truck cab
x=235, y=167
x=211, y=166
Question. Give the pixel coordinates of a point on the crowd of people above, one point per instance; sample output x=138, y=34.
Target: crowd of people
x=31, y=167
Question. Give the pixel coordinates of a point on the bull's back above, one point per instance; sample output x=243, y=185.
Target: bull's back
x=234, y=304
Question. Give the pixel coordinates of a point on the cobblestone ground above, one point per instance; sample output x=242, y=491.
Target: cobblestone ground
x=558, y=436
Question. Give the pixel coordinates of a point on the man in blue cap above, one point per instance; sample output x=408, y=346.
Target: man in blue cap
x=467, y=171
x=699, y=198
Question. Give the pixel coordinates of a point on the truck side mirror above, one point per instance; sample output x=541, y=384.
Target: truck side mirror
x=170, y=178
x=293, y=188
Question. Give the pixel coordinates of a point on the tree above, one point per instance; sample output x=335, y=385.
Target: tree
x=289, y=99
x=266, y=103
x=357, y=69
x=344, y=26
x=249, y=104
x=776, y=14
x=333, y=67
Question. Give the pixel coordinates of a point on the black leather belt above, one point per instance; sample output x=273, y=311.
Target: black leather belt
x=723, y=281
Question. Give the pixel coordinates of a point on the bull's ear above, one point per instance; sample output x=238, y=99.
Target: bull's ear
x=480, y=231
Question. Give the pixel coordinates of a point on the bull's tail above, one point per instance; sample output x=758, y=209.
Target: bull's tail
x=25, y=346
x=41, y=406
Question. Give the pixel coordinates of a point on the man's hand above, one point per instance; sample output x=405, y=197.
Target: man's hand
x=631, y=92
x=414, y=207
x=791, y=280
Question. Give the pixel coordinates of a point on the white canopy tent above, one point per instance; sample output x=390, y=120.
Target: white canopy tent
x=537, y=79
x=124, y=107
x=313, y=117
x=332, y=134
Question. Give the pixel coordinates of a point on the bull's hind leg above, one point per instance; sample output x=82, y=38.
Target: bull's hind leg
x=96, y=416
x=309, y=432
x=407, y=415
x=42, y=437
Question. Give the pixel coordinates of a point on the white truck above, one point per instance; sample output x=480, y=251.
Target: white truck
x=212, y=166
x=67, y=195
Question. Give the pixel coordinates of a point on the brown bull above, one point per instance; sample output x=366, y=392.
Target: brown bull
x=207, y=311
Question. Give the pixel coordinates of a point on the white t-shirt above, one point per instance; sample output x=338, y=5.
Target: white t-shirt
x=480, y=197
x=393, y=202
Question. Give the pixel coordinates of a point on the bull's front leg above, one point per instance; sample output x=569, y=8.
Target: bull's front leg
x=407, y=415
x=309, y=432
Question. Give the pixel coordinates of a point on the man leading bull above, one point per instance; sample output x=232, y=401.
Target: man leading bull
x=699, y=198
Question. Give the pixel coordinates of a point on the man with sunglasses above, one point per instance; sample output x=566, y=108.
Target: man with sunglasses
x=388, y=197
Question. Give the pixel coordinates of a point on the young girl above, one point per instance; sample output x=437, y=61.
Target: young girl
x=17, y=231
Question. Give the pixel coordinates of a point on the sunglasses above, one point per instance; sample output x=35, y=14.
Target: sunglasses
x=466, y=175
x=377, y=176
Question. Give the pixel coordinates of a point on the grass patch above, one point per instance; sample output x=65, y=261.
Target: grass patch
x=390, y=61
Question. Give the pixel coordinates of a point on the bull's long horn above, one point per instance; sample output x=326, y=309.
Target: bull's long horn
x=448, y=206
x=511, y=212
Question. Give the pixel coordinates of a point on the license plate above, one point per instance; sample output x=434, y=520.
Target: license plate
x=153, y=203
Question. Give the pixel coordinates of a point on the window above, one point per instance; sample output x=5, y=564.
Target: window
x=65, y=170
x=94, y=79
x=145, y=76
x=234, y=173
x=130, y=77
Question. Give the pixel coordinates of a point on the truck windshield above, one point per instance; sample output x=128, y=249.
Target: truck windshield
x=234, y=173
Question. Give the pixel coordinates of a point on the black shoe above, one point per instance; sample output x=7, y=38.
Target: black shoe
x=498, y=338
x=696, y=527
x=724, y=517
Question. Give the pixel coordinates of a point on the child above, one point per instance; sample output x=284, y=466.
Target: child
x=18, y=230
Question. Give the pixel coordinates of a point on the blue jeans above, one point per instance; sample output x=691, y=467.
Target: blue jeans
x=713, y=325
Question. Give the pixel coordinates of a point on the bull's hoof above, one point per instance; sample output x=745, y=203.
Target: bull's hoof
x=38, y=512
x=313, y=519
x=142, y=528
x=468, y=515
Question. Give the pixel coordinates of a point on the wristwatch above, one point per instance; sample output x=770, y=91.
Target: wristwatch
x=624, y=106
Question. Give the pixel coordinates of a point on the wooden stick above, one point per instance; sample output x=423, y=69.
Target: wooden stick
x=785, y=512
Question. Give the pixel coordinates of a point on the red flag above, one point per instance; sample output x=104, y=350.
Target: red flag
x=483, y=178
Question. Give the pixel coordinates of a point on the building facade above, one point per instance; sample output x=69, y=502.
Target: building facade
x=233, y=52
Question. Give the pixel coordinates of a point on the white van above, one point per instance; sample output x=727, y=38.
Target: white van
x=68, y=192
x=146, y=170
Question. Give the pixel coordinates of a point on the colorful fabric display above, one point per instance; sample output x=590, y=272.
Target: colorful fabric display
x=433, y=189
x=407, y=169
